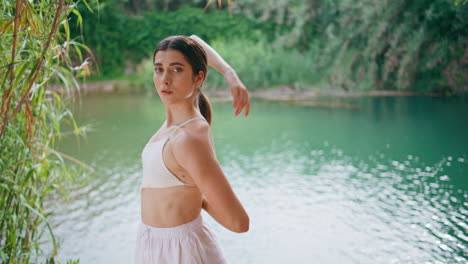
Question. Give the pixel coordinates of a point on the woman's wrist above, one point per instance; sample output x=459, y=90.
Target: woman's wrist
x=227, y=70
x=230, y=75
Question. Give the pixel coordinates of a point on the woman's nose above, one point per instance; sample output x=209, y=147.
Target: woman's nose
x=166, y=78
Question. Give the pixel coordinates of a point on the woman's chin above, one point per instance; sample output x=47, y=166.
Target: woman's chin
x=169, y=101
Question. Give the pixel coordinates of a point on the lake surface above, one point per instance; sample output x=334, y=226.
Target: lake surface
x=382, y=181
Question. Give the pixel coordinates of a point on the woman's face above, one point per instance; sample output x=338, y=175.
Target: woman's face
x=173, y=77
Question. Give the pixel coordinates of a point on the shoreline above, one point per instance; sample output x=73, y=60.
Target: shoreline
x=284, y=93
x=277, y=93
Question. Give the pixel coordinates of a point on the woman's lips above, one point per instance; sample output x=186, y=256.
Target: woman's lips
x=167, y=92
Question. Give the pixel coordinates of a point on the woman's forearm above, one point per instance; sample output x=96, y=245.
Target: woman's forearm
x=208, y=209
x=235, y=227
x=239, y=92
x=214, y=59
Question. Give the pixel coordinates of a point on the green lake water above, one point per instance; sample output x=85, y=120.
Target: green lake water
x=383, y=181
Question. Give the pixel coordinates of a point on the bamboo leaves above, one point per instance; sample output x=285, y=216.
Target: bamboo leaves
x=35, y=49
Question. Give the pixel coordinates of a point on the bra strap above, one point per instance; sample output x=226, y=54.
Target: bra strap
x=201, y=118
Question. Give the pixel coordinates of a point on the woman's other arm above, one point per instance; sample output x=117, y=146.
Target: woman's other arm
x=238, y=90
x=195, y=154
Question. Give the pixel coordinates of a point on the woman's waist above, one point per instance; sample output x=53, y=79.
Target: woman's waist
x=179, y=231
x=169, y=210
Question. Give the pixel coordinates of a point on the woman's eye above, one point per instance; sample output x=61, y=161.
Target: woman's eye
x=174, y=70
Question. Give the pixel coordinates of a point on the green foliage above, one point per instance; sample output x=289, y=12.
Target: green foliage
x=118, y=37
x=31, y=119
x=261, y=66
x=398, y=44
x=52, y=261
x=392, y=44
x=258, y=64
x=353, y=45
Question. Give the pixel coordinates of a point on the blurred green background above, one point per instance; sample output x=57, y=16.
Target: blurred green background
x=362, y=45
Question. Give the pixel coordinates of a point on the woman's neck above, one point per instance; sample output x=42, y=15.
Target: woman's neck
x=179, y=113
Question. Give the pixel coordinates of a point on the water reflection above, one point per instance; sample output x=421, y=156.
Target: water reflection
x=367, y=185
x=333, y=207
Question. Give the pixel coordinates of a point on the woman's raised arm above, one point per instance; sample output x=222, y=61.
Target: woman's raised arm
x=239, y=92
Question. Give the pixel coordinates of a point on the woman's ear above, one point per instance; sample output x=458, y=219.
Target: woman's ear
x=199, y=78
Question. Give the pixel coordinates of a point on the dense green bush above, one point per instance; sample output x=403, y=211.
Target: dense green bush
x=368, y=45
x=402, y=45
x=117, y=37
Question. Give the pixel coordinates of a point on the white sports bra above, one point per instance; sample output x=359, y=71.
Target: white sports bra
x=155, y=172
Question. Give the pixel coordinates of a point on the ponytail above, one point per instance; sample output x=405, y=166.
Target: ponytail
x=204, y=106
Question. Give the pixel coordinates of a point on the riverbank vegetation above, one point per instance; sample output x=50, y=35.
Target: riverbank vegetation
x=35, y=48
x=332, y=44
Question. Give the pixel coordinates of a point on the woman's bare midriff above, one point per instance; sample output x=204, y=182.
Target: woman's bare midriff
x=170, y=207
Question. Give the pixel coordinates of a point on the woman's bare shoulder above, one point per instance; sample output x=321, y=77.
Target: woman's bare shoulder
x=192, y=134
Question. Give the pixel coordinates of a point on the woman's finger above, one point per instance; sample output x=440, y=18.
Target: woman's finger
x=238, y=107
x=234, y=99
x=247, y=109
x=243, y=103
x=235, y=104
x=247, y=98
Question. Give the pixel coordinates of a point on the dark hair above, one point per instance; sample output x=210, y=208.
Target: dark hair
x=196, y=56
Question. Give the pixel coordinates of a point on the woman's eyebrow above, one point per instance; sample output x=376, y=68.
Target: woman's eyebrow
x=172, y=63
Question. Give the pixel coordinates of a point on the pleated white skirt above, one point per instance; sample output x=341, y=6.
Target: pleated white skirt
x=190, y=243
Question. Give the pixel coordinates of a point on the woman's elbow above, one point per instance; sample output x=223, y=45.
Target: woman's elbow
x=241, y=226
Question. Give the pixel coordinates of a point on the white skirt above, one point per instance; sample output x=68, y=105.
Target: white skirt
x=189, y=243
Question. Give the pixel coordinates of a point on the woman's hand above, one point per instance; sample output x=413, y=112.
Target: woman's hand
x=240, y=94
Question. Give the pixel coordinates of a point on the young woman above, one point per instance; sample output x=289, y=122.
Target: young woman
x=181, y=175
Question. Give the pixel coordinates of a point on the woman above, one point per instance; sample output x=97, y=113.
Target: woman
x=181, y=175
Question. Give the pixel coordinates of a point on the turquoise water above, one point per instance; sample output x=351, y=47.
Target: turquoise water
x=382, y=181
